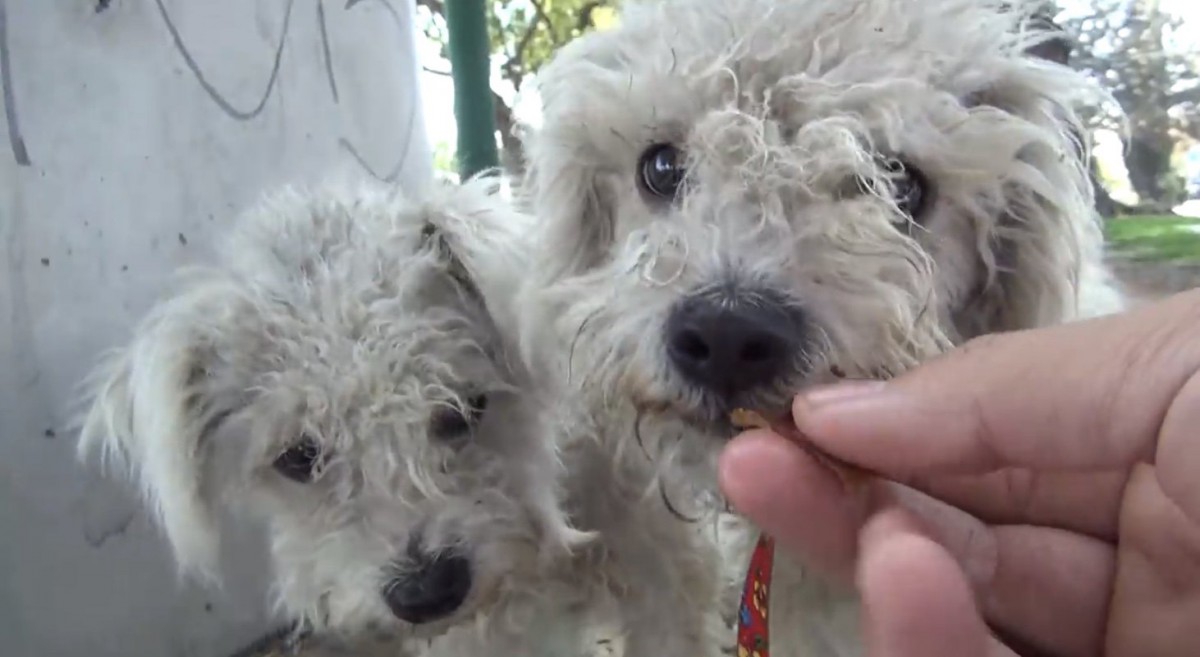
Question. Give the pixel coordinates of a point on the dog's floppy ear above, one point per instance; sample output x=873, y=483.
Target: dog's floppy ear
x=563, y=185
x=154, y=406
x=1047, y=235
x=478, y=235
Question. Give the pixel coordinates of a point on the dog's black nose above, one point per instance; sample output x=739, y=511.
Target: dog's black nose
x=432, y=587
x=734, y=342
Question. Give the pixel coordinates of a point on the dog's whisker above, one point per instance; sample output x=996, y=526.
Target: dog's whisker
x=666, y=500
x=575, y=341
x=637, y=433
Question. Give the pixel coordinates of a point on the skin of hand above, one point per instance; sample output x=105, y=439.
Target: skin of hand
x=1042, y=486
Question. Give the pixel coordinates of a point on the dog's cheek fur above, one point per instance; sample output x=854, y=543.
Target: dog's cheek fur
x=155, y=406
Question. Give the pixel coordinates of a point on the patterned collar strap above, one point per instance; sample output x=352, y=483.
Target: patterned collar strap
x=753, y=635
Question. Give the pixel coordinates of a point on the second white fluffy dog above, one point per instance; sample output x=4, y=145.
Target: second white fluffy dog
x=340, y=375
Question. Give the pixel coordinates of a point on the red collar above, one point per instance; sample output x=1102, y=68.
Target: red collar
x=753, y=631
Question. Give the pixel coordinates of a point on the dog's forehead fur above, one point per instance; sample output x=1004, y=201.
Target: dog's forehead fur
x=674, y=60
x=364, y=326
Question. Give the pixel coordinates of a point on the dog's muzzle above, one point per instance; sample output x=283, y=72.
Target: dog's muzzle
x=731, y=341
x=431, y=587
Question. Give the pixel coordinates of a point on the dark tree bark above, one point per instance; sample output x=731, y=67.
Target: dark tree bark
x=512, y=153
x=1148, y=159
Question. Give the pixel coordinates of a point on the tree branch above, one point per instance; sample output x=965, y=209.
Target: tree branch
x=504, y=114
x=1189, y=95
x=517, y=62
x=435, y=71
x=585, y=14
x=512, y=155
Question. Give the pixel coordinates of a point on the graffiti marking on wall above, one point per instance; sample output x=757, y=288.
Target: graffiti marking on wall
x=15, y=140
x=213, y=92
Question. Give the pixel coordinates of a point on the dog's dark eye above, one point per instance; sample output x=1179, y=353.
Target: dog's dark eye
x=661, y=171
x=452, y=422
x=299, y=462
x=911, y=187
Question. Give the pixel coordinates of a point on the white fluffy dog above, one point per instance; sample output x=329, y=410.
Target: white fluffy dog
x=741, y=198
x=340, y=375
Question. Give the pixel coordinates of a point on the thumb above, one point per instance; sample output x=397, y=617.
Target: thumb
x=916, y=600
x=1085, y=395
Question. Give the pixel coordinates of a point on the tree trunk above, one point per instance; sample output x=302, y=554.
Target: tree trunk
x=1105, y=205
x=1148, y=160
x=512, y=154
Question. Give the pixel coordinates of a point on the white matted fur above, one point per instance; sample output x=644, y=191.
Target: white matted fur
x=787, y=120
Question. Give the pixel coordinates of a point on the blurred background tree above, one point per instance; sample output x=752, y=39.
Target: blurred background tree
x=525, y=33
x=1142, y=55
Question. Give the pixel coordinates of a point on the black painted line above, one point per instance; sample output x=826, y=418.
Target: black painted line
x=15, y=140
x=325, y=51
x=394, y=173
x=218, y=98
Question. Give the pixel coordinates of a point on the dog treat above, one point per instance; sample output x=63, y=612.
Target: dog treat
x=744, y=418
x=850, y=476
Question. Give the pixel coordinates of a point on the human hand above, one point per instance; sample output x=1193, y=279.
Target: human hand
x=1078, y=447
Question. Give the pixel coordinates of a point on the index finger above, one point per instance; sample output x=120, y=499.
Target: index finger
x=1086, y=395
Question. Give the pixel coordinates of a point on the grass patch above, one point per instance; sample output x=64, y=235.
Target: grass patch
x=1154, y=238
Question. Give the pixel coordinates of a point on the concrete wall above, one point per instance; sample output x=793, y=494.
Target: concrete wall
x=135, y=130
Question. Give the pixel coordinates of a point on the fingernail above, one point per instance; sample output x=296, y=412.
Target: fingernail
x=839, y=392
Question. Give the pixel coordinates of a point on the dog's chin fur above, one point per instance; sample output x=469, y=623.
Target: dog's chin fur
x=783, y=112
x=348, y=316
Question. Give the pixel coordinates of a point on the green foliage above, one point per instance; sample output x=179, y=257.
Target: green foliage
x=1155, y=238
x=525, y=33
x=524, y=36
x=1174, y=186
x=444, y=161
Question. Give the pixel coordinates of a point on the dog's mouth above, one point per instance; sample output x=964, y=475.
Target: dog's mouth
x=707, y=415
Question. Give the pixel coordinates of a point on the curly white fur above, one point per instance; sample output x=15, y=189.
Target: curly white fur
x=349, y=316
x=784, y=112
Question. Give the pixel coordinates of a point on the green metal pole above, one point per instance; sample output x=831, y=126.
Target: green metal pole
x=470, y=48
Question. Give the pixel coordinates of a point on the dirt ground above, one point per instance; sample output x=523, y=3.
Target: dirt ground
x=1149, y=281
